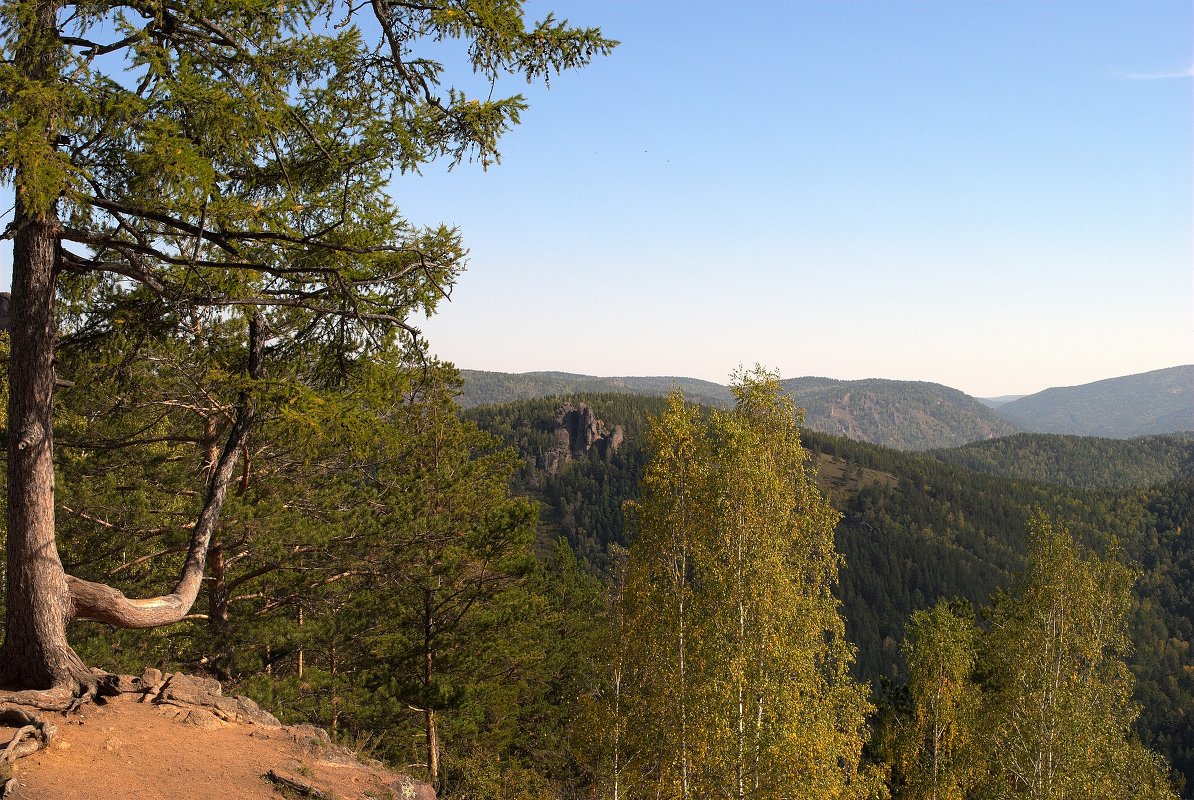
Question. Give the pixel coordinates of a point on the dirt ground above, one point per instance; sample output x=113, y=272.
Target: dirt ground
x=129, y=750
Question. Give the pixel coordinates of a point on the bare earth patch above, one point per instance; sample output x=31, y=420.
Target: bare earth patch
x=132, y=750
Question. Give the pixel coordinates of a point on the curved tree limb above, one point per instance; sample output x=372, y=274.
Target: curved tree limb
x=104, y=603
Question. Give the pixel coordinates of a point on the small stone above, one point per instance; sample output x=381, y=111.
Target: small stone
x=408, y=788
x=126, y=684
x=202, y=719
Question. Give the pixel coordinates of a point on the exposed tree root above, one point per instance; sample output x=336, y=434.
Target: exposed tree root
x=96, y=684
x=33, y=734
x=23, y=709
x=76, y=690
x=292, y=783
x=61, y=698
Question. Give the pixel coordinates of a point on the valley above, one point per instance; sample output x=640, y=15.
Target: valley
x=919, y=527
x=905, y=415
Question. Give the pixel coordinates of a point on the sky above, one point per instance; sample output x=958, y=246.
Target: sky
x=990, y=194
x=993, y=195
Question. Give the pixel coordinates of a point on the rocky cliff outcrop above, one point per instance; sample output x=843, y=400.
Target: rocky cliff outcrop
x=577, y=432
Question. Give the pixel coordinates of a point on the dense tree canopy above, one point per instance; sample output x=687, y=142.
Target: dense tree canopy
x=222, y=164
x=1037, y=703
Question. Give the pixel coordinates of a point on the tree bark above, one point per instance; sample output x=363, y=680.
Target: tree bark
x=217, y=590
x=35, y=654
x=428, y=676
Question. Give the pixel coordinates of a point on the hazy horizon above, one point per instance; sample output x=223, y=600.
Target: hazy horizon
x=783, y=376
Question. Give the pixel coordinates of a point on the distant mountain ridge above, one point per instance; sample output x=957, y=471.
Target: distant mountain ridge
x=905, y=415
x=1002, y=400
x=489, y=388
x=1160, y=401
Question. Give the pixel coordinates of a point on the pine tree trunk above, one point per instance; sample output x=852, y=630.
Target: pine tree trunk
x=428, y=677
x=217, y=591
x=35, y=654
x=300, y=652
x=217, y=608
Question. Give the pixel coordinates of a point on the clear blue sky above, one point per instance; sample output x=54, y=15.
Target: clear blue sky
x=990, y=194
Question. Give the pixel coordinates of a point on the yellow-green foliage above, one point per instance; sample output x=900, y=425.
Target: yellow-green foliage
x=934, y=751
x=1037, y=706
x=1057, y=712
x=736, y=653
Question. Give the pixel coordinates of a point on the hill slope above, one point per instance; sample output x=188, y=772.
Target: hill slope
x=1161, y=401
x=1078, y=461
x=915, y=529
x=131, y=750
x=905, y=415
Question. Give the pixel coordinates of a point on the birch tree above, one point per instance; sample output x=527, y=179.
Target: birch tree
x=751, y=697
x=662, y=578
x=936, y=749
x=1058, y=706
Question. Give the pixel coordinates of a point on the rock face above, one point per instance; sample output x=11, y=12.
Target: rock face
x=581, y=427
x=199, y=700
x=577, y=432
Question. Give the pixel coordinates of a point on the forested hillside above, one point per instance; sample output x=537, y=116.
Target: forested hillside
x=906, y=415
x=1079, y=461
x=1161, y=401
x=915, y=530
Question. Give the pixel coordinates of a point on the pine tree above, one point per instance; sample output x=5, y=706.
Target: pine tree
x=231, y=156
